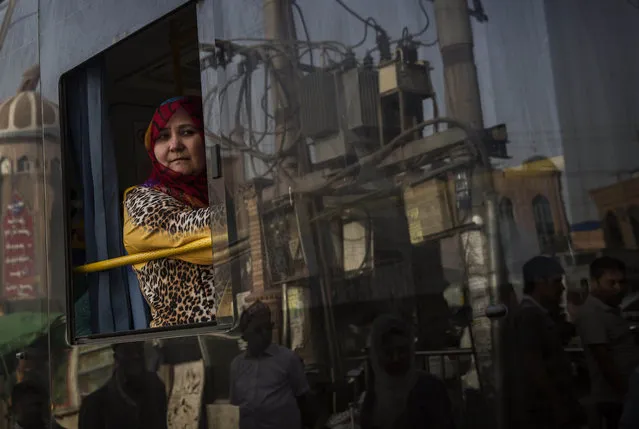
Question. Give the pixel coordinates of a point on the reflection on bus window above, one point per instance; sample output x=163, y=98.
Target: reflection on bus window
x=133, y=397
x=24, y=166
x=544, y=223
x=29, y=401
x=5, y=166
x=268, y=382
x=507, y=218
x=399, y=395
x=614, y=237
x=385, y=157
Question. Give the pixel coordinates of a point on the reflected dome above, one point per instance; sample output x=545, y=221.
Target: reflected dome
x=27, y=115
x=539, y=163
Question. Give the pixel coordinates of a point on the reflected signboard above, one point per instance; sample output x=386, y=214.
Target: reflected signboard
x=18, y=252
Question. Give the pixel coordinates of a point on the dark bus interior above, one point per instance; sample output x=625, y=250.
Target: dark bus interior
x=159, y=62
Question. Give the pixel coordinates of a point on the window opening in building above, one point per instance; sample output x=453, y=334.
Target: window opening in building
x=544, y=223
x=24, y=166
x=612, y=231
x=507, y=216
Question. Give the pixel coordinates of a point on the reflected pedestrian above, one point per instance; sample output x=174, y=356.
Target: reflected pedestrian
x=611, y=351
x=30, y=406
x=268, y=382
x=133, y=398
x=542, y=389
x=399, y=396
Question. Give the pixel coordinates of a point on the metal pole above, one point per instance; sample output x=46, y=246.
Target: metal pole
x=481, y=249
x=460, y=74
x=279, y=27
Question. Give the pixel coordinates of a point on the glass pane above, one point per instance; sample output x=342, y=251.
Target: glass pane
x=349, y=194
x=25, y=316
x=367, y=145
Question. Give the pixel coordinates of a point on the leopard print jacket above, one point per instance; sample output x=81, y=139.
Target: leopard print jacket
x=178, y=292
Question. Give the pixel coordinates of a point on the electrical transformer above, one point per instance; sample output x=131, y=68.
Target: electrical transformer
x=339, y=112
x=428, y=209
x=318, y=105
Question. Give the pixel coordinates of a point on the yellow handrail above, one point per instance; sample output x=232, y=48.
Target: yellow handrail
x=139, y=258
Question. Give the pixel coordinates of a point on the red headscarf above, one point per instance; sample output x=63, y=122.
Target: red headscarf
x=189, y=189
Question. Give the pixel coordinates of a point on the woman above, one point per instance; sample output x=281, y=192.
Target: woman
x=172, y=209
x=400, y=396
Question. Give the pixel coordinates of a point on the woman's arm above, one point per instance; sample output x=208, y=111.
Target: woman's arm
x=154, y=220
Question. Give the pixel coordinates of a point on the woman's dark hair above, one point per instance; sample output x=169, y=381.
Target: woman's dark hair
x=600, y=266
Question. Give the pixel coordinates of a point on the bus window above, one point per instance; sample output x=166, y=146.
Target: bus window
x=146, y=229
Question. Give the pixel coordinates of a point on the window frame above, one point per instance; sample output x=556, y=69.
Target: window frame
x=67, y=179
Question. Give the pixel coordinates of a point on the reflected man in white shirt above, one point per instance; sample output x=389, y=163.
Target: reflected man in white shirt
x=268, y=382
x=611, y=351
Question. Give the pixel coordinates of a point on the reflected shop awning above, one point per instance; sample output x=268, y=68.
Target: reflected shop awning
x=18, y=330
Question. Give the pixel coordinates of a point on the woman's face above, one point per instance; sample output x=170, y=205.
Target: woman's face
x=179, y=146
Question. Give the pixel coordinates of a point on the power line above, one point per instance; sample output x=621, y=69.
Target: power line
x=383, y=41
x=355, y=14
x=305, y=27
x=361, y=42
x=423, y=8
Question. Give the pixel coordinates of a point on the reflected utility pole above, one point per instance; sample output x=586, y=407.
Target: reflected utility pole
x=482, y=248
x=279, y=26
x=6, y=21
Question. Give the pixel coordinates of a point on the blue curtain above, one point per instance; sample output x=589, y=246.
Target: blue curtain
x=115, y=301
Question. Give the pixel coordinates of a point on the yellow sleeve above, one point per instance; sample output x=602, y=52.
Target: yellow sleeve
x=154, y=220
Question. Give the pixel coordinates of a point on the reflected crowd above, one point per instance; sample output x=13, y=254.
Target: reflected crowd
x=269, y=384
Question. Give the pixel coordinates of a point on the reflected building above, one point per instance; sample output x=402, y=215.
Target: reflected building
x=29, y=165
x=531, y=207
x=618, y=226
x=532, y=217
x=544, y=96
x=618, y=208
